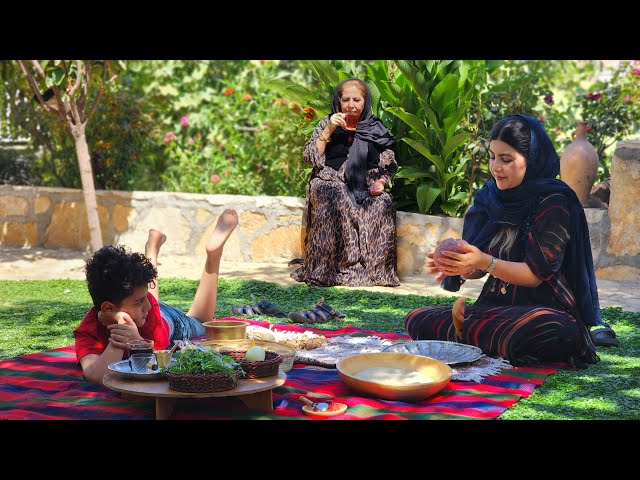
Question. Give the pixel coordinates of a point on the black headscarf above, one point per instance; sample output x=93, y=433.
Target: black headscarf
x=494, y=208
x=369, y=129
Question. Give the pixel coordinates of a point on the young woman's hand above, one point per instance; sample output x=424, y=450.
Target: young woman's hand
x=472, y=259
x=433, y=270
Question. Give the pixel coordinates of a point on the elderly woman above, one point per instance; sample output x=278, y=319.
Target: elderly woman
x=350, y=219
x=528, y=232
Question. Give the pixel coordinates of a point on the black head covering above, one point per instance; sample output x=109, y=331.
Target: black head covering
x=369, y=129
x=493, y=208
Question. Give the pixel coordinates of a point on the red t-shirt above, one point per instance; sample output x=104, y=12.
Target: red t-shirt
x=92, y=337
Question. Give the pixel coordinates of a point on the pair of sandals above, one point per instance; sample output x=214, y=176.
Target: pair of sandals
x=321, y=312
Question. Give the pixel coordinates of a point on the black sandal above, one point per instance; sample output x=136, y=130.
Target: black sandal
x=322, y=312
x=604, y=337
x=263, y=307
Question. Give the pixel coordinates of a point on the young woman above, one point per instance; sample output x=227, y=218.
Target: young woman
x=528, y=231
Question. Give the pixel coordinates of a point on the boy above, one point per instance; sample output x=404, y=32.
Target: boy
x=124, y=291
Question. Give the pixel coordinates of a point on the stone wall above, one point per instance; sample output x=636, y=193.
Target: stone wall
x=270, y=228
x=621, y=256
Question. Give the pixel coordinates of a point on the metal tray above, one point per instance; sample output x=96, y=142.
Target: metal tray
x=446, y=352
x=123, y=369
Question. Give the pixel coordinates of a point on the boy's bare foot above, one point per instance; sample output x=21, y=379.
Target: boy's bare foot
x=155, y=241
x=226, y=224
x=458, y=315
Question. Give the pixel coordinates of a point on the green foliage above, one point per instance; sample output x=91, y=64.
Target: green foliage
x=38, y=315
x=612, y=108
x=223, y=129
x=432, y=99
x=538, y=88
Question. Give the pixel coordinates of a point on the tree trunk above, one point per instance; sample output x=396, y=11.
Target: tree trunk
x=88, y=187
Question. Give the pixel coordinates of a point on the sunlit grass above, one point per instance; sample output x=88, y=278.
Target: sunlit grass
x=38, y=315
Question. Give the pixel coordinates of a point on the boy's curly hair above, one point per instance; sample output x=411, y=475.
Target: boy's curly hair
x=113, y=273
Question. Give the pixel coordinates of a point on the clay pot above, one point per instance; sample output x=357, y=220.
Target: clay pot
x=579, y=165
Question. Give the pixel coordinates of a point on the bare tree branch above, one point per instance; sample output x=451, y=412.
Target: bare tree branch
x=74, y=89
x=85, y=88
x=94, y=105
x=39, y=69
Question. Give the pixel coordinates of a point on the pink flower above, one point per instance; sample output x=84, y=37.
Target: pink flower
x=548, y=99
x=215, y=178
x=543, y=119
x=168, y=138
x=184, y=121
x=636, y=71
x=265, y=125
x=627, y=98
x=199, y=137
x=190, y=142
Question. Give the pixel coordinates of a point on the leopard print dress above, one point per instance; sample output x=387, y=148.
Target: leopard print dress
x=345, y=244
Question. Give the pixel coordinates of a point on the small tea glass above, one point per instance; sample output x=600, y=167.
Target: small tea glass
x=352, y=120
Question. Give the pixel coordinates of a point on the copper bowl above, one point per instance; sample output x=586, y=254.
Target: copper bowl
x=226, y=329
x=398, y=365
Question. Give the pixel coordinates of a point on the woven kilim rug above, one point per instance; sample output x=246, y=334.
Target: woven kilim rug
x=48, y=385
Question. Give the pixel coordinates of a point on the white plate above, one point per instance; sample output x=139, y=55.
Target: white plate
x=122, y=367
x=447, y=352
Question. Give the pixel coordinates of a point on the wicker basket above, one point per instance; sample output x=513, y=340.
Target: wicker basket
x=288, y=352
x=200, y=383
x=265, y=368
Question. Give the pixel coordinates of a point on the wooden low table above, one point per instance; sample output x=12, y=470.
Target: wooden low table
x=255, y=394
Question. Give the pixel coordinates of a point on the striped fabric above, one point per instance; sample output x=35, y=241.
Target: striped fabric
x=48, y=385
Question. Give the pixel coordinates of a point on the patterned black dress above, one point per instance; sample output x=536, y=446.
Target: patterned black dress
x=346, y=244
x=525, y=325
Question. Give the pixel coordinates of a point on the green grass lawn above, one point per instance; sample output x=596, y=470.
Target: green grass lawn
x=38, y=315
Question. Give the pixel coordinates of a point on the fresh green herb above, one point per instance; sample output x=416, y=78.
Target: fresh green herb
x=195, y=361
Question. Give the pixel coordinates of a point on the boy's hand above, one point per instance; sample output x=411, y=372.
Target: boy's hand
x=121, y=333
x=107, y=318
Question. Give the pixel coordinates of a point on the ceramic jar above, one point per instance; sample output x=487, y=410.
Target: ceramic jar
x=579, y=165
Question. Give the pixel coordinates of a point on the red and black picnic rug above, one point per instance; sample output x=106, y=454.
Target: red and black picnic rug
x=50, y=386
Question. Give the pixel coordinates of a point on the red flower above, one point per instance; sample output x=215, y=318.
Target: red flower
x=228, y=91
x=215, y=178
x=548, y=99
x=168, y=138
x=589, y=128
x=308, y=116
x=247, y=97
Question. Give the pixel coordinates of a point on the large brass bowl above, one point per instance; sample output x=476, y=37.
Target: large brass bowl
x=439, y=373
x=226, y=329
